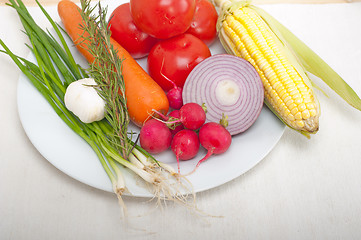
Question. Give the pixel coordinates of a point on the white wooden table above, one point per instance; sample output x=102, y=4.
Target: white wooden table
x=303, y=189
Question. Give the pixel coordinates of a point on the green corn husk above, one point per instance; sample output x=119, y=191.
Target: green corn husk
x=311, y=61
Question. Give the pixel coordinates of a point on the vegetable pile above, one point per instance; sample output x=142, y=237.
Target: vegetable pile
x=141, y=92
x=175, y=34
x=186, y=99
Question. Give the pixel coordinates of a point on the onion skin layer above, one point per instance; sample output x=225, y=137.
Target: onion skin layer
x=201, y=84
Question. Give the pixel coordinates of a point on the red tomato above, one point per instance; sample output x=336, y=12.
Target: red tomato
x=127, y=34
x=204, y=21
x=173, y=59
x=162, y=18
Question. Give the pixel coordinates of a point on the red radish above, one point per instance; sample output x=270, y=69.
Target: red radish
x=155, y=137
x=215, y=138
x=175, y=114
x=191, y=115
x=185, y=145
x=175, y=97
x=171, y=120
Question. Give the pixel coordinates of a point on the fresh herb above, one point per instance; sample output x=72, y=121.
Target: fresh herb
x=107, y=73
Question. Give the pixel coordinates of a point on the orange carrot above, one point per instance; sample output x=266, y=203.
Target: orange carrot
x=143, y=94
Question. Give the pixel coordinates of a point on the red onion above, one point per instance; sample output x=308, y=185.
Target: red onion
x=227, y=85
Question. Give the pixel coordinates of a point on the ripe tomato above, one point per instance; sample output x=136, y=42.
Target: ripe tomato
x=204, y=21
x=162, y=18
x=127, y=34
x=173, y=59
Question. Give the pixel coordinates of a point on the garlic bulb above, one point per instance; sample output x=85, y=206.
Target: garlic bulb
x=83, y=100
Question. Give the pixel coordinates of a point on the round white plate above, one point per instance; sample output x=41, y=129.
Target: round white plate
x=72, y=155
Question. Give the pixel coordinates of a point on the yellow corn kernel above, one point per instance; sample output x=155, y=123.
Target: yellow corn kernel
x=300, y=123
x=288, y=102
x=291, y=87
x=292, y=106
x=310, y=106
x=302, y=107
x=298, y=100
x=294, y=92
x=297, y=95
x=302, y=88
x=306, y=114
x=284, y=94
x=294, y=111
x=307, y=100
x=313, y=112
x=298, y=116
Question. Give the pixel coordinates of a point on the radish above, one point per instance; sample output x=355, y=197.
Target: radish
x=177, y=127
x=215, y=138
x=175, y=97
x=185, y=145
x=155, y=137
x=191, y=115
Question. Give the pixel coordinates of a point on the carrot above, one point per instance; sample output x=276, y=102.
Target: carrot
x=143, y=94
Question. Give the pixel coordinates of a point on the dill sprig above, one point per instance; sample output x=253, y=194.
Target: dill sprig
x=107, y=73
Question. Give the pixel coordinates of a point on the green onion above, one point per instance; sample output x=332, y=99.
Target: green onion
x=54, y=71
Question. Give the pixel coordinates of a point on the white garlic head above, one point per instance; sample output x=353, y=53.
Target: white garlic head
x=83, y=100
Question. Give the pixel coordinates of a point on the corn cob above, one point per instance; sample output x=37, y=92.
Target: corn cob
x=288, y=90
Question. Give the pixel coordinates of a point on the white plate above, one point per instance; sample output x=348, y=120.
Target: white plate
x=72, y=155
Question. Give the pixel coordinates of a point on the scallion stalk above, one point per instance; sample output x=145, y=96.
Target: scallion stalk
x=54, y=70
